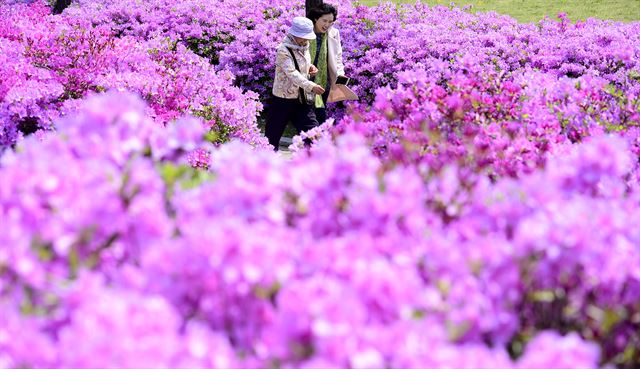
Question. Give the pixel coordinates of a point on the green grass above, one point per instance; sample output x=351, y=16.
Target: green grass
x=534, y=10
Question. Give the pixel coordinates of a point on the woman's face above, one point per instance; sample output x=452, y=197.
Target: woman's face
x=323, y=23
x=301, y=41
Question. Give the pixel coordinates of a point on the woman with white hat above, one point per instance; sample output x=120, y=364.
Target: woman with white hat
x=293, y=93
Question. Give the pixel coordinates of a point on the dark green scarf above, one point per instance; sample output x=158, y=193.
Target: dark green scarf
x=320, y=61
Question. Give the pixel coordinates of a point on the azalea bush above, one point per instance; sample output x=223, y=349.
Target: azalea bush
x=379, y=42
x=236, y=36
x=53, y=62
x=487, y=121
x=120, y=253
x=393, y=39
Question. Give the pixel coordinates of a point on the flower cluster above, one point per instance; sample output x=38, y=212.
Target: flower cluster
x=487, y=122
x=53, y=62
x=329, y=259
x=383, y=41
x=380, y=42
x=236, y=36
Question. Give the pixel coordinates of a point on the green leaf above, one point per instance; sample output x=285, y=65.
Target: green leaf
x=444, y=286
x=457, y=331
x=171, y=172
x=267, y=293
x=74, y=262
x=542, y=296
x=418, y=314
x=197, y=178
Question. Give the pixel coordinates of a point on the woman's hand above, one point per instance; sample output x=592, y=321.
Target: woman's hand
x=313, y=70
x=318, y=89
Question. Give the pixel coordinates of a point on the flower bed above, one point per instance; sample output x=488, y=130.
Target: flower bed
x=53, y=62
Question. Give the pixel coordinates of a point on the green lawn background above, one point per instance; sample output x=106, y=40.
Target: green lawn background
x=534, y=10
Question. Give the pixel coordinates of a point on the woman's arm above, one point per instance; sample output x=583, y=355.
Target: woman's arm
x=339, y=63
x=285, y=63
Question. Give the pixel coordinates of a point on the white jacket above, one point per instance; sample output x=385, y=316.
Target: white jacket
x=287, y=79
x=334, y=51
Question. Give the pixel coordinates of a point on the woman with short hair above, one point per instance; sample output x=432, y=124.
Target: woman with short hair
x=326, y=53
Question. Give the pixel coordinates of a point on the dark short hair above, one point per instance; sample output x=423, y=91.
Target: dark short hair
x=320, y=10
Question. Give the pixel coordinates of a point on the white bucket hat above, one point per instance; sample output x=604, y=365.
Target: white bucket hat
x=302, y=27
